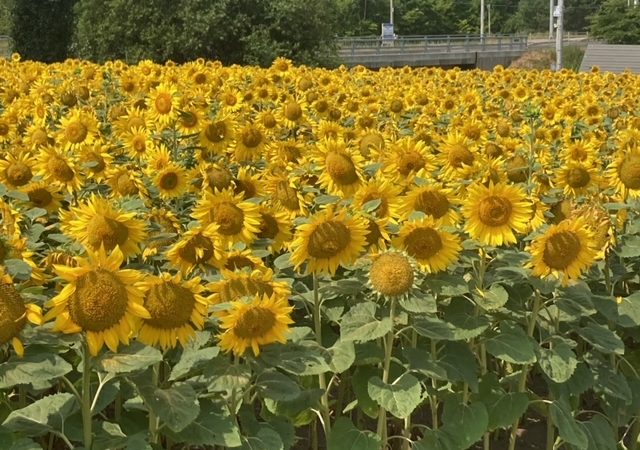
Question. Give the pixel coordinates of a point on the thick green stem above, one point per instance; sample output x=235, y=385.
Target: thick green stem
x=388, y=350
x=433, y=399
x=551, y=432
x=153, y=418
x=525, y=368
x=322, y=380
x=87, y=432
x=406, y=444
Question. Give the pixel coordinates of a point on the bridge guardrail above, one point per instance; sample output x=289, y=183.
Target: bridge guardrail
x=435, y=44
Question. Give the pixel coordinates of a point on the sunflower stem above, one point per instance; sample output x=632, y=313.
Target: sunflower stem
x=322, y=380
x=388, y=350
x=406, y=444
x=433, y=399
x=87, y=431
x=153, y=418
x=525, y=368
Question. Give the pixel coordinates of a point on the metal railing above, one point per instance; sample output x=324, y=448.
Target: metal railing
x=430, y=44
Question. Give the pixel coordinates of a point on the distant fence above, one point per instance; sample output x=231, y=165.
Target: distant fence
x=5, y=46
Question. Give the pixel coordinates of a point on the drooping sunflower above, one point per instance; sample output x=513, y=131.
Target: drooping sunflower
x=16, y=170
x=216, y=136
x=14, y=314
x=125, y=181
x=97, y=223
x=247, y=283
x=95, y=160
x=44, y=195
x=329, y=240
x=238, y=220
x=565, y=250
x=253, y=323
x=378, y=233
x=433, y=249
x=100, y=299
x=197, y=247
x=235, y=259
x=276, y=227
x=79, y=127
x=248, y=183
x=434, y=201
x=494, y=214
x=340, y=168
x=215, y=176
x=286, y=194
x=176, y=308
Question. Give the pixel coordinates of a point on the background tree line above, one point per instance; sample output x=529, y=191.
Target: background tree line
x=256, y=31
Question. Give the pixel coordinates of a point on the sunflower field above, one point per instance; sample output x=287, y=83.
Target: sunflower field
x=204, y=257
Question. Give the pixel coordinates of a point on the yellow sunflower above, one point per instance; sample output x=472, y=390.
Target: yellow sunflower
x=578, y=179
x=176, y=307
x=234, y=259
x=276, y=227
x=14, y=314
x=16, y=171
x=97, y=223
x=237, y=219
x=162, y=105
x=171, y=181
x=458, y=156
x=37, y=135
x=125, y=181
x=406, y=159
x=99, y=299
x=339, y=166
x=624, y=173
x=215, y=176
x=433, y=249
x=565, y=250
x=79, y=127
x=216, y=136
x=383, y=191
x=328, y=240
x=59, y=167
x=197, y=247
x=253, y=323
x=138, y=143
x=250, y=142
x=434, y=201
x=95, y=160
x=495, y=213
x=392, y=274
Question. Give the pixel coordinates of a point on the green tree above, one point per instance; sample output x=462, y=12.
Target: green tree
x=6, y=17
x=617, y=23
x=530, y=16
x=42, y=29
x=234, y=31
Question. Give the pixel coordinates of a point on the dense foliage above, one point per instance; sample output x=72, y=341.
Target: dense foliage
x=253, y=258
x=617, y=23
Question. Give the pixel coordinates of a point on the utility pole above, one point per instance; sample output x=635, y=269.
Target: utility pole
x=391, y=12
x=481, y=20
x=551, y=5
x=559, y=35
x=489, y=13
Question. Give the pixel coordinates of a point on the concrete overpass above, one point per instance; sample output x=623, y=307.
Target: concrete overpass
x=465, y=51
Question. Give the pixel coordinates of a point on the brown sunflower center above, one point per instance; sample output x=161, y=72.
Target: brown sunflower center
x=197, y=250
x=237, y=262
x=18, y=174
x=460, y=155
x=269, y=227
x=40, y=197
x=251, y=138
x=106, y=231
x=219, y=178
x=12, y=313
x=39, y=136
x=391, y=274
x=409, y=162
x=168, y=181
x=329, y=239
x=254, y=323
x=76, y=132
x=287, y=196
x=188, y=119
x=432, y=203
x=139, y=144
x=517, y=169
x=200, y=78
x=247, y=188
x=229, y=217
x=124, y=185
x=215, y=132
x=561, y=250
x=341, y=169
x=99, y=301
x=4, y=129
x=629, y=173
x=374, y=234
x=170, y=305
x=163, y=103
x=423, y=243
x=269, y=120
x=96, y=162
x=473, y=132
x=578, y=177
x=494, y=211
x=292, y=111
x=60, y=170
x=396, y=106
